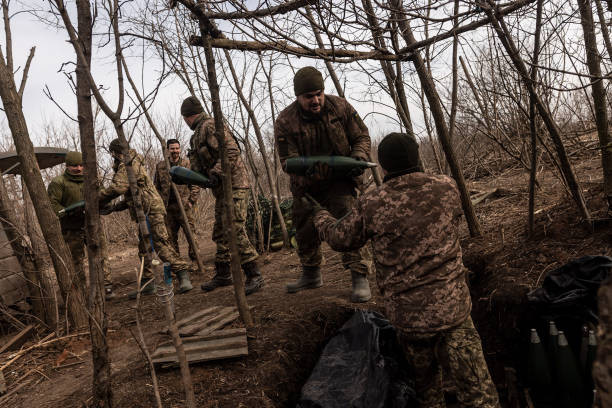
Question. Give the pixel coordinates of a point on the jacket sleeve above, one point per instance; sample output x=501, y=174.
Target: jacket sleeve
x=285, y=143
x=55, y=190
x=119, y=185
x=358, y=135
x=346, y=234
x=157, y=178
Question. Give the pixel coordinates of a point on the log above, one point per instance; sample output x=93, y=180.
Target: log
x=18, y=340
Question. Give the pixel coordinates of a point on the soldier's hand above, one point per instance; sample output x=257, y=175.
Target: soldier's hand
x=188, y=205
x=107, y=209
x=356, y=171
x=319, y=171
x=213, y=181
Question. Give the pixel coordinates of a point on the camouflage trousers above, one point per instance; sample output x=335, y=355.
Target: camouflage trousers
x=247, y=251
x=161, y=245
x=174, y=222
x=338, y=201
x=460, y=350
x=76, y=241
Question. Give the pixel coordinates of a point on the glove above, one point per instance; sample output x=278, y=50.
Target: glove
x=213, y=181
x=311, y=204
x=356, y=171
x=319, y=171
x=107, y=209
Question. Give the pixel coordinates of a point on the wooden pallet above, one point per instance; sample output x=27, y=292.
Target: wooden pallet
x=220, y=344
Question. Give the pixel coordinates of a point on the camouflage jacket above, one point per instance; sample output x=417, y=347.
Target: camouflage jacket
x=412, y=223
x=337, y=131
x=162, y=183
x=63, y=191
x=205, y=157
x=151, y=201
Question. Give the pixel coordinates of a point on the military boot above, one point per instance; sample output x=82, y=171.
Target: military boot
x=108, y=292
x=147, y=290
x=184, y=282
x=361, y=288
x=223, y=277
x=254, y=280
x=310, y=279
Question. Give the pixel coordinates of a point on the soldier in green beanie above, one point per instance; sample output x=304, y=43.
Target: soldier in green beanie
x=63, y=191
x=411, y=222
x=204, y=155
x=318, y=124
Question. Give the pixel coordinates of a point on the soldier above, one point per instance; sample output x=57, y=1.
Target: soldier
x=412, y=224
x=64, y=191
x=317, y=124
x=205, y=158
x=188, y=195
x=153, y=207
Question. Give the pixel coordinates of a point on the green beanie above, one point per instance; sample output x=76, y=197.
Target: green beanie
x=116, y=146
x=398, y=151
x=191, y=106
x=74, y=158
x=307, y=79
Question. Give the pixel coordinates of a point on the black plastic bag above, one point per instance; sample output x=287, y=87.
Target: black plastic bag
x=361, y=367
x=572, y=289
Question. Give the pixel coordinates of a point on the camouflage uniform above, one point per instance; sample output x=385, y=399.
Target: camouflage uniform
x=153, y=207
x=412, y=223
x=188, y=194
x=337, y=131
x=205, y=159
x=65, y=190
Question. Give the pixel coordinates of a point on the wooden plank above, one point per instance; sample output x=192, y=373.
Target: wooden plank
x=19, y=339
x=217, y=334
x=203, y=346
x=206, y=356
x=218, y=324
x=198, y=315
x=194, y=328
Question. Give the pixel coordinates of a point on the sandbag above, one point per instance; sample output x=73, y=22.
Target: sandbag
x=361, y=367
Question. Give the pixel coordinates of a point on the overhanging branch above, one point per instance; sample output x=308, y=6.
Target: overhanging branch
x=336, y=55
x=271, y=11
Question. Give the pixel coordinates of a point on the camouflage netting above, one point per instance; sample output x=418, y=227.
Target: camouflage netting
x=265, y=209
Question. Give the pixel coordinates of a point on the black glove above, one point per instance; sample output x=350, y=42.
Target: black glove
x=319, y=171
x=213, y=181
x=107, y=209
x=356, y=171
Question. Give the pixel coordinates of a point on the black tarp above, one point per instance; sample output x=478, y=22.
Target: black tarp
x=572, y=289
x=361, y=367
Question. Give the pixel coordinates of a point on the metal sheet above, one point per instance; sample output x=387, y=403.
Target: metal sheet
x=46, y=157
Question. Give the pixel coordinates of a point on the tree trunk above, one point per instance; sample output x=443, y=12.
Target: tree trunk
x=38, y=286
x=49, y=223
x=555, y=133
x=228, y=206
x=599, y=93
x=98, y=320
x=436, y=110
x=533, y=128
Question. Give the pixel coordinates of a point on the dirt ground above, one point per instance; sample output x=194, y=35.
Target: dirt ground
x=291, y=330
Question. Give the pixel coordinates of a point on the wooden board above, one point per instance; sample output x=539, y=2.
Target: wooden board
x=221, y=344
x=18, y=340
x=209, y=322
